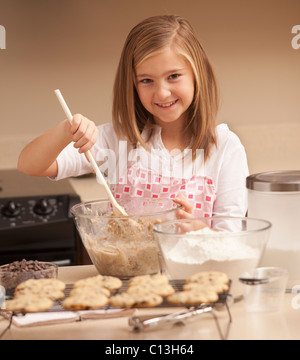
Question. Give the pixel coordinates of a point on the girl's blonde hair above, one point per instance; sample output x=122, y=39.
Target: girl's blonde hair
x=150, y=37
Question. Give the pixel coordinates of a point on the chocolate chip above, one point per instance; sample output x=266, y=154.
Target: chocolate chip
x=18, y=271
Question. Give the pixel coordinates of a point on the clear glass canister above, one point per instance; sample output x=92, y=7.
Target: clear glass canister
x=275, y=196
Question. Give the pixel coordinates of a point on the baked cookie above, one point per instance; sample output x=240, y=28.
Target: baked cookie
x=88, y=290
x=150, y=288
x=108, y=282
x=111, y=282
x=85, y=301
x=28, y=304
x=46, y=292
x=122, y=300
x=156, y=279
x=147, y=300
x=125, y=300
x=191, y=297
x=46, y=288
x=213, y=285
x=209, y=277
x=42, y=284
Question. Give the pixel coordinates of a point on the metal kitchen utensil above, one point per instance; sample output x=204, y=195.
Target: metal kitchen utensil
x=253, y=281
x=141, y=323
x=119, y=211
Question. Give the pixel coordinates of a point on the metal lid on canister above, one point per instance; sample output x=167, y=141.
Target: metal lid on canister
x=280, y=181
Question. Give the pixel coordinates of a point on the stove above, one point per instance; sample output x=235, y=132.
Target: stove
x=35, y=219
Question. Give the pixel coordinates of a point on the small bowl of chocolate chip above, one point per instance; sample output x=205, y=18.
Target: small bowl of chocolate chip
x=13, y=274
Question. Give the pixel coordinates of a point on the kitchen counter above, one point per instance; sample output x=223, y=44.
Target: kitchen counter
x=88, y=188
x=281, y=325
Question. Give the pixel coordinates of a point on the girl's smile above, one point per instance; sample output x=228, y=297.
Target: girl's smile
x=165, y=85
x=167, y=105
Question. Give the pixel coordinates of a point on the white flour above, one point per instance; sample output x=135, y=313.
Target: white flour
x=210, y=253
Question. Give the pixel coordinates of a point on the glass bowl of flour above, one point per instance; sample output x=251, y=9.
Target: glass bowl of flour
x=228, y=244
x=123, y=246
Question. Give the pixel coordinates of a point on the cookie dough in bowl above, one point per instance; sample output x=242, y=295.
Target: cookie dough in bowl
x=123, y=246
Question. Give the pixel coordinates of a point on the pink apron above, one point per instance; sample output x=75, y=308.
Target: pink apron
x=199, y=190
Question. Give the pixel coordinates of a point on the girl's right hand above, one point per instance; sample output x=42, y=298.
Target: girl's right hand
x=83, y=132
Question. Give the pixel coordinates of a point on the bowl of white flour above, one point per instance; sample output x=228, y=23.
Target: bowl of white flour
x=227, y=244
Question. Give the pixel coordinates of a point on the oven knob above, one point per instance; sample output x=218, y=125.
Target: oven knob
x=42, y=207
x=11, y=209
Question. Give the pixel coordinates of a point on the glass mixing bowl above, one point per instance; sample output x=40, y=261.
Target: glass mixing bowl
x=227, y=244
x=11, y=275
x=123, y=246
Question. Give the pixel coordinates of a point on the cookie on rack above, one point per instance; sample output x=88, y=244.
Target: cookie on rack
x=28, y=304
x=213, y=285
x=86, y=290
x=47, y=292
x=186, y=298
x=125, y=300
x=36, y=284
x=85, y=301
x=122, y=300
x=108, y=282
x=156, y=279
x=47, y=288
x=160, y=289
x=209, y=277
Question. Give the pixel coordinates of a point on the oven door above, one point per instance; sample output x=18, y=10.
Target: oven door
x=56, y=242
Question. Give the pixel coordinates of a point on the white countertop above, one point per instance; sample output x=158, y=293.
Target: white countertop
x=279, y=325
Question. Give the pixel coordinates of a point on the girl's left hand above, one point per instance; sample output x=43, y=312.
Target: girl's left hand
x=186, y=212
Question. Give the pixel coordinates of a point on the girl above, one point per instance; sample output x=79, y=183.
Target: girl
x=163, y=140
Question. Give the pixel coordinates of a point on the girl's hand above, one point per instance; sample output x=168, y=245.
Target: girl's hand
x=186, y=212
x=83, y=132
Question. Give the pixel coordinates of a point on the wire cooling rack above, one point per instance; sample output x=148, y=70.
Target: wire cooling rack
x=141, y=323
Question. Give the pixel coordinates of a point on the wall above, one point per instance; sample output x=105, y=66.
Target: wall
x=75, y=45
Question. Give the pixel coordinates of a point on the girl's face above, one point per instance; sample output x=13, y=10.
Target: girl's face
x=165, y=85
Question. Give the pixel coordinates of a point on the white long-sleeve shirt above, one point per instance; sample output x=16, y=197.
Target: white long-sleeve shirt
x=216, y=187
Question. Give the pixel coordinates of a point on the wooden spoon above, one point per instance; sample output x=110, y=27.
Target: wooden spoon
x=118, y=210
